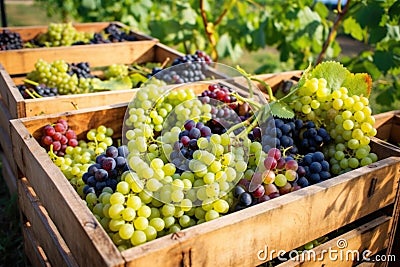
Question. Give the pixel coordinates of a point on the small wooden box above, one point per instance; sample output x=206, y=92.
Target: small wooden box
x=283, y=223
x=388, y=127
x=22, y=61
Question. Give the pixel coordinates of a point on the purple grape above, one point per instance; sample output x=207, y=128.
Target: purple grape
x=205, y=131
x=100, y=175
x=112, y=152
x=189, y=124
x=108, y=163
x=194, y=133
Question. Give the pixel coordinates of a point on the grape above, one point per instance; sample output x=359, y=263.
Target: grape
x=187, y=68
x=10, y=40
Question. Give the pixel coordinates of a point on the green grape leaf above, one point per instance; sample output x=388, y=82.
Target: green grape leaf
x=333, y=72
x=337, y=76
x=112, y=84
x=352, y=27
x=281, y=110
x=137, y=78
x=358, y=84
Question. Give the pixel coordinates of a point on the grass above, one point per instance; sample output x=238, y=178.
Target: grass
x=11, y=242
x=27, y=15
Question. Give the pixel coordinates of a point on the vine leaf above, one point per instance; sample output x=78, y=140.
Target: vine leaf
x=281, y=110
x=113, y=84
x=333, y=72
x=337, y=76
x=358, y=84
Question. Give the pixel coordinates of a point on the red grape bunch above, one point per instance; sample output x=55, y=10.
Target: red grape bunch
x=58, y=136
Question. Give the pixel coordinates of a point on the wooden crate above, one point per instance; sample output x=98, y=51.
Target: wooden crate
x=388, y=128
x=281, y=223
x=19, y=107
x=22, y=61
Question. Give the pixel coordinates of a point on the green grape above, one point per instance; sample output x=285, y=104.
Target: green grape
x=151, y=233
x=211, y=215
x=126, y=231
x=141, y=223
x=138, y=238
x=280, y=180
x=157, y=223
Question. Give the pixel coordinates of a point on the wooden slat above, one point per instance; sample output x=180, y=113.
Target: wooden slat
x=384, y=117
x=33, y=250
x=43, y=228
x=10, y=95
x=22, y=60
x=6, y=146
x=394, y=237
x=371, y=236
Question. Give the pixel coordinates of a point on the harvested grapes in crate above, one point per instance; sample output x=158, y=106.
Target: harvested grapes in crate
x=65, y=34
x=198, y=151
x=61, y=78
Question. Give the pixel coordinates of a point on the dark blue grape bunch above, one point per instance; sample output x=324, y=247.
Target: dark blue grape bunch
x=187, y=143
x=36, y=91
x=117, y=34
x=81, y=70
x=10, y=40
x=316, y=169
x=280, y=133
x=188, y=68
x=312, y=139
x=107, y=170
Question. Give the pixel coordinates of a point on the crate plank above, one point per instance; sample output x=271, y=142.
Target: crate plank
x=23, y=60
x=371, y=236
x=33, y=250
x=43, y=229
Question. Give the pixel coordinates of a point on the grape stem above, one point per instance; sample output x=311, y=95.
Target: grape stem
x=240, y=125
x=30, y=93
x=165, y=62
x=36, y=94
x=51, y=153
x=253, y=103
x=31, y=82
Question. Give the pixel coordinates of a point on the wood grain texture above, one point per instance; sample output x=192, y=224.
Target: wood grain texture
x=43, y=228
x=32, y=248
x=5, y=143
x=326, y=206
x=371, y=236
x=22, y=61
